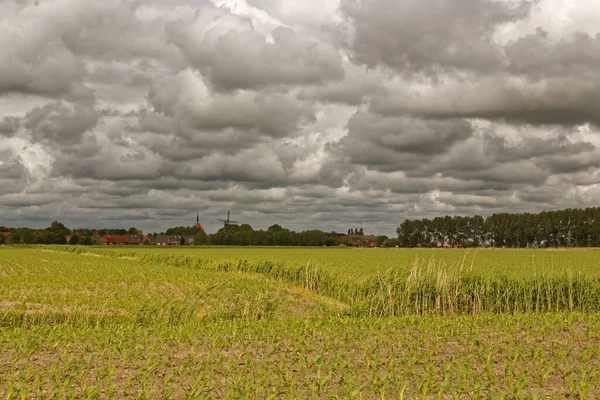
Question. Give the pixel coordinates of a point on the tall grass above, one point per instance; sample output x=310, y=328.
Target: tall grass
x=430, y=288
x=433, y=288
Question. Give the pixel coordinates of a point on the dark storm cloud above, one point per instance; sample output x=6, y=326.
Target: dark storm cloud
x=118, y=31
x=189, y=102
x=192, y=144
x=357, y=87
x=399, y=142
x=520, y=172
x=488, y=158
x=539, y=55
x=400, y=183
x=232, y=54
x=551, y=147
x=536, y=78
x=13, y=168
x=558, y=145
x=109, y=164
x=9, y=125
x=28, y=200
x=563, y=100
x=572, y=163
x=37, y=66
x=467, y=162
x=258, y=164
x=156, y=123
x=14, y=175
x=414, y=36
x=59, y=123
x=406, y=135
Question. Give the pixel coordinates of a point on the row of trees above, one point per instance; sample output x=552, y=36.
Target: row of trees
x=275, y=235
x=57, y=233
x=562, y=228
x=232, y=235
x=182, y=230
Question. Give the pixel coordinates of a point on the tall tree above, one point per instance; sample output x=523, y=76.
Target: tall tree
x=14, y=237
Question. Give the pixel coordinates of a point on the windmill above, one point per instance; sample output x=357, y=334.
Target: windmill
x=228, y=221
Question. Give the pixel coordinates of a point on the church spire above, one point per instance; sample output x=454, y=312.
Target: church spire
x=198, y=225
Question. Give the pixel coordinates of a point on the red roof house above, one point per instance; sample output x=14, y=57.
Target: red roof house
x=167, y=240
x=122, y=240
x=114, y=240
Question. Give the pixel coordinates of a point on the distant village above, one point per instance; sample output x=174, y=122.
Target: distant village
x=139, y=240
x=352, y=239
x=148, y=240
x=233, y=233
x=183, y=240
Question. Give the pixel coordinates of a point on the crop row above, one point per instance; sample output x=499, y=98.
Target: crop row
x=430, y=288
x=551, y=356
x=360, y=264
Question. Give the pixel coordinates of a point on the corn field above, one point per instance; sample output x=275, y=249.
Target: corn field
x=136, y=323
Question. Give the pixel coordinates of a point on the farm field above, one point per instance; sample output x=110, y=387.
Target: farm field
x=296, y=323
x=364, y=263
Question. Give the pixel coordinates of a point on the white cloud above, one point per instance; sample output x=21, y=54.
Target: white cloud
x=314, y=114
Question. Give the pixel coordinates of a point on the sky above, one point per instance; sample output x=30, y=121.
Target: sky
x=319, y=114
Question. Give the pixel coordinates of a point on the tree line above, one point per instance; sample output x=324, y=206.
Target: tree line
x=562, y=228
x=57, y=233
x=275, y=235
x=232, y=235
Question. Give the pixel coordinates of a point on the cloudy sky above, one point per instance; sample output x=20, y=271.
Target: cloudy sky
x=328, y=114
